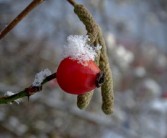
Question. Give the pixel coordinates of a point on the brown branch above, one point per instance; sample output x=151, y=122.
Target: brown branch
x=13, y=23
x=72, y=2
x=27, y=91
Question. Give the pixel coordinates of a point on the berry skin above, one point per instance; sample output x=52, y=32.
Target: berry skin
x=76, y=78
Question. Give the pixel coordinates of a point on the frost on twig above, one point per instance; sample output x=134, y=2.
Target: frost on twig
x=39, y=77
x=9, y=93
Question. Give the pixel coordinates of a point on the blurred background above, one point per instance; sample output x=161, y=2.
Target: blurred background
x=136, y=36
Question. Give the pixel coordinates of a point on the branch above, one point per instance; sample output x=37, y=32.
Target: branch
x=72, y=2
x=13, y=23
x=27, y=91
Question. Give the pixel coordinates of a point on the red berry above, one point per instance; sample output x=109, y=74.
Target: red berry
x=76, y=78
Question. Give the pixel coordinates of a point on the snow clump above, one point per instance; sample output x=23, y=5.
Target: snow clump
x=78, y=49
x=9, y=93
x=39, y=77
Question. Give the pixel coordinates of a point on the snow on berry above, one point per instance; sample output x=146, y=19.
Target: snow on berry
x=77, y=72
x=39, y=77
x=78, y=49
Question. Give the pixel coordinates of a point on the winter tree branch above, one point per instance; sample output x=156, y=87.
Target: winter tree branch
x=95, y=35
x=27, y=91
x=16, y=20
x=72, y=2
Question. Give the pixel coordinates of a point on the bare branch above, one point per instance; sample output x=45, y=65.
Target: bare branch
x=13, y=23
x=27, y=91
x=72, y=2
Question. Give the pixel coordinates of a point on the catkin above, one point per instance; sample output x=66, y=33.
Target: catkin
x=107, y=86
x=87, y=19
x=95, y=36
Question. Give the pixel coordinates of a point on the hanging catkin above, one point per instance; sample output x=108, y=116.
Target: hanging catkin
x=107, y=86
x=95, y=36
x=88, y=21
x=83, y=100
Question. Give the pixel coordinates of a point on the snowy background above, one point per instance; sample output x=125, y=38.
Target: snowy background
x=136, y=36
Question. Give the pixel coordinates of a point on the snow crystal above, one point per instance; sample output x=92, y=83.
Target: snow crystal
x=9, y=93
x=39, y=77
x=77, y=48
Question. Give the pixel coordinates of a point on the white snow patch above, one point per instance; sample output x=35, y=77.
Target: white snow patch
x=9, y=93
x=39, y=77
x=78, y=49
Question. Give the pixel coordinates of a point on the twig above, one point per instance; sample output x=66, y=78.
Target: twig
x=13, y=23
x=72, y=2
x=27, y=91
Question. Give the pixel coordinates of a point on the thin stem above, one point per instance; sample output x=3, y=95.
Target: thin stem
x=27, y=91
x=72, y=2
x=13, y=23
x=49, y=78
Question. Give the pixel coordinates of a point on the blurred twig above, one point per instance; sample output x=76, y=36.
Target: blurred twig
x=27, y=91
x=72, y=2
x=13, y=23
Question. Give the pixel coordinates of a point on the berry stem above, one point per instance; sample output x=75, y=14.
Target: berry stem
x=27, y=91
